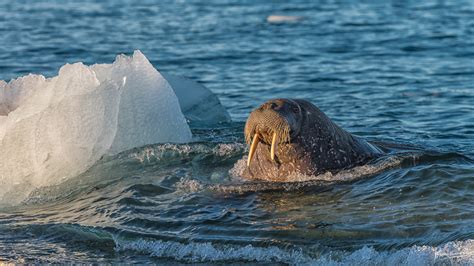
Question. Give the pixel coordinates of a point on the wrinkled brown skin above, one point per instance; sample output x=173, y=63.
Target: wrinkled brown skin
x=316, y=144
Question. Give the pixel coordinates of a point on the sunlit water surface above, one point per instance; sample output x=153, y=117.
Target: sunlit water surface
x=399, y=73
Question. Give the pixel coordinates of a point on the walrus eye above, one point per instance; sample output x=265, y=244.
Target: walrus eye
x=295, y=109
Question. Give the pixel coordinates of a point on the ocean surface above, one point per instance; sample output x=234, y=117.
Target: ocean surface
x=399, y=73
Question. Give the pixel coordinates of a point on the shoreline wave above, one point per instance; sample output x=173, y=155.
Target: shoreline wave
x=456, y=252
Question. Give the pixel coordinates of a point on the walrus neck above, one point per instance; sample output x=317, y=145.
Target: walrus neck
x=319, y=130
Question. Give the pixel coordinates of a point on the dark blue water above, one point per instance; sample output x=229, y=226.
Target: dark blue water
x=400, y=72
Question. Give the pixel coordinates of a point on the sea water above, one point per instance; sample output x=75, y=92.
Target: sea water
x=400, y=74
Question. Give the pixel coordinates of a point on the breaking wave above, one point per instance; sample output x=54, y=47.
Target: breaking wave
x=456, y=252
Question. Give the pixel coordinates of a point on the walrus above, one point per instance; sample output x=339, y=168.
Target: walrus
x=291, y=137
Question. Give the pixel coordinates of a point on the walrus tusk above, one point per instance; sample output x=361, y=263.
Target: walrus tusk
x=253, y=147
x=272, y=150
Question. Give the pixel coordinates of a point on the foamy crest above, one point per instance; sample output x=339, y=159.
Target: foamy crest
x=169, y=151
x=352, y=173
x=189, y=185
x=238, y=169
x=208, y=252
x=55, y=128
x=457, y=253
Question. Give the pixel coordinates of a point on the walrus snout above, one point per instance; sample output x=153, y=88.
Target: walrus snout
x=272, y=123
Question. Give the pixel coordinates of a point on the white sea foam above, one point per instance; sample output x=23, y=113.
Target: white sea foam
x=188, y=186
x=457, y=253
x=169, y=151
x=55, y=128
x=342, y=176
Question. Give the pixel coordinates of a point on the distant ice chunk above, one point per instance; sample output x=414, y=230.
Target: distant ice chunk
x=197, y=102
x=56, y=128
x=283, y=19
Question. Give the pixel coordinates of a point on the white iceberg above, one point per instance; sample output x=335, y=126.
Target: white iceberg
x=55, y=128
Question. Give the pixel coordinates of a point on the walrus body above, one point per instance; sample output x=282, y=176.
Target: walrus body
x=293, y=137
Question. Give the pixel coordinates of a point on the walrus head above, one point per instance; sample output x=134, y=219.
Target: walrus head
x=274, y=122
x=304, y=139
